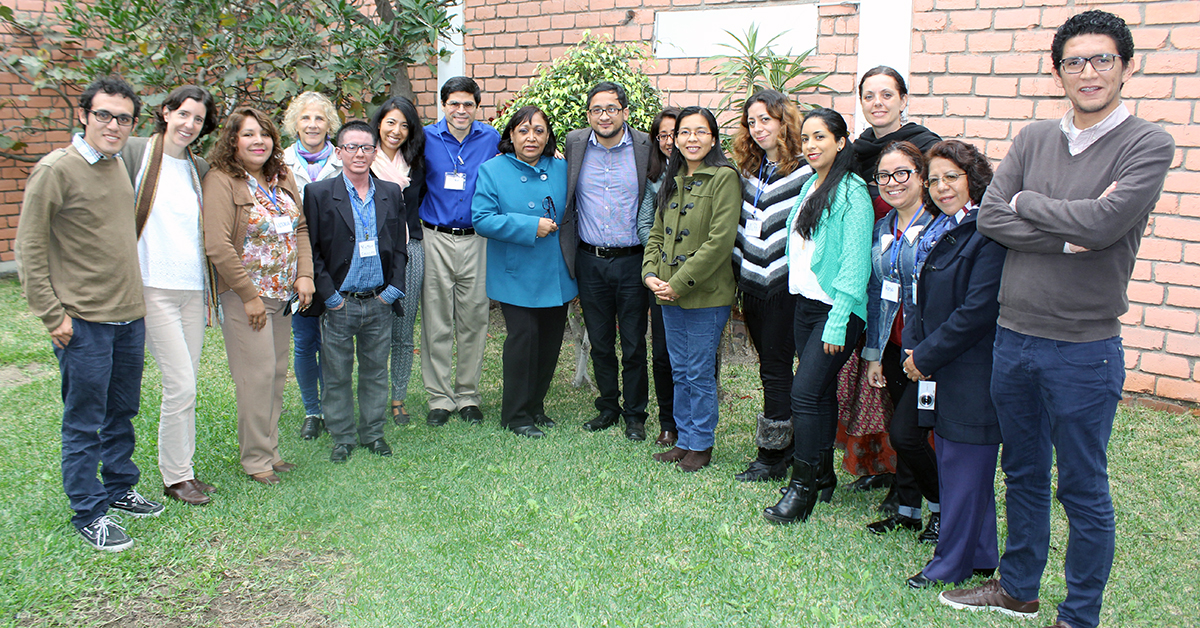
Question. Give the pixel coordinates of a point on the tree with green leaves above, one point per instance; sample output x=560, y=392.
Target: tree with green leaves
x=259, y=54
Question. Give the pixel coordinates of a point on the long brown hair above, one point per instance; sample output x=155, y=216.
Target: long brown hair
x=223, y=155
x=749, y=155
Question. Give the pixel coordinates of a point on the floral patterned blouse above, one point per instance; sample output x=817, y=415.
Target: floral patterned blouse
x=270, y=254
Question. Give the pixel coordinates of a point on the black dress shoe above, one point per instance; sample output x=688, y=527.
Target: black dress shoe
x=340, y=453
x=530, y=431
x=893, y=522
x=471, y=414
x=986, y=573
x=602, y=422
x=542, y=420
x=872, y=482
x=932, y=530
x=919, y=581
x=635, y=431
x=379, y=447
x=437, y=417
x=312, y=427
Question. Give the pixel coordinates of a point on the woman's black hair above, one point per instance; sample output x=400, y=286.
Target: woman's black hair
x=887, y=71
x=715, y=156
x=523, y=115
x=658, y=161
x=821, y=199
x=413, y=148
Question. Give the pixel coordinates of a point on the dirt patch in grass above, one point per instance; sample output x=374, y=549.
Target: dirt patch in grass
x=253, y=596
x=11, y=376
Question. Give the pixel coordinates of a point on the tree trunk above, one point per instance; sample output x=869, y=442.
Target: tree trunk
x=401, y=85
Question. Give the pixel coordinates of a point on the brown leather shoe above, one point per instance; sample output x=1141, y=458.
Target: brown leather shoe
x=186, y=492
x=266, y=477
x=666, y=439
x=695, y=460
x=206, y=488
x=1059, y=624
x=283, y=467
x=990, y=597
x=674, y=454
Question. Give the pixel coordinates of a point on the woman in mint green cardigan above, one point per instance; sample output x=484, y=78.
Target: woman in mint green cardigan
x=829, y=263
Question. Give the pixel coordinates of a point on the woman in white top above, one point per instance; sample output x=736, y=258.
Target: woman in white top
x=312, y=120
x=175, y=276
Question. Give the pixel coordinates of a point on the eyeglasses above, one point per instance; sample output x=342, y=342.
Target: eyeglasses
x=366, y=149
x=456, y=104
x=548, y=210
x=610, y=110
x=1100, y=63
x=700, y=134
x=950, y=178
x=665, y=135
x=104, y=117
x=899, y=176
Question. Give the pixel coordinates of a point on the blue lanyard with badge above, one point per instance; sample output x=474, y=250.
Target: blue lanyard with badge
x=455, y=180
x=891, y=285
x=754, y=225
x=282, y=224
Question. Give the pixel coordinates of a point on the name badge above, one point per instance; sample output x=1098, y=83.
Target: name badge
x=283, y=224
x=891, y=291
x=754, y=228
x=367, y=248
x=456, y=180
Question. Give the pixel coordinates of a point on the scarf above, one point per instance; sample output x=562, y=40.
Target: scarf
x=316, y=160
x=395, y=170
x=933, y=234
x=867, y=147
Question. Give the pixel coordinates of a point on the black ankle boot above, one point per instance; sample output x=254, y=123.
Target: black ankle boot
x=771, y=464
x=827, y=480
x=798, y=501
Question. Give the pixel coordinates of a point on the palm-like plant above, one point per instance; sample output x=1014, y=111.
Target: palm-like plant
x=752, y=67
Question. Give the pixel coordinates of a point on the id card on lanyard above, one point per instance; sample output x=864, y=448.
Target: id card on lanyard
x=891, y=285
x=281, y=224
x=455, y=180
x=754, y=225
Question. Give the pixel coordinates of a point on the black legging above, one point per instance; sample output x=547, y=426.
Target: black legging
x=814, y=388
x=911, y=441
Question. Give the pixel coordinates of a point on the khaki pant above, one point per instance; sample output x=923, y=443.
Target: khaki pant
x=174, y=335
x=454, y=308
x=258, y=362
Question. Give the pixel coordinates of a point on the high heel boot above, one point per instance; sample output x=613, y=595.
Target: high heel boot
x=827, y=480
x=799, y=498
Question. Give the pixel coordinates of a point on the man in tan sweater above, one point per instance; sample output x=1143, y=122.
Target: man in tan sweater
x=76, y=254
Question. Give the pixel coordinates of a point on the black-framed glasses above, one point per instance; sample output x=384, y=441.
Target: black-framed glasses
x=610, y=110
x=665, y=135
x=366, y=149
x=1100, y=63
x=950, y=178
x=104, y=117
x=548, y=210
x=899, y=176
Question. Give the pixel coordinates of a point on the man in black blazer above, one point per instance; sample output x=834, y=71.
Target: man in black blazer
x=358, y=233
x=606, y=177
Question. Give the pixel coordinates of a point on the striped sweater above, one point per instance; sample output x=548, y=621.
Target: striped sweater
x=760, y=261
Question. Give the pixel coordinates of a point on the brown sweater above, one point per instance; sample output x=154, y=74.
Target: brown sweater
x=76, y=250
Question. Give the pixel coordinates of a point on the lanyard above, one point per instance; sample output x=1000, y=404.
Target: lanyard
x=455, y=160
x=896, y=245
x=271, y=195
x=762, y=183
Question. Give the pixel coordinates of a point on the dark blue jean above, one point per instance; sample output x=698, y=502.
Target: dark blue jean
x=1053, y=396
x=613, y=299
x=814, y=387
x=692, y=338
x=306, y=333
x=101, y=371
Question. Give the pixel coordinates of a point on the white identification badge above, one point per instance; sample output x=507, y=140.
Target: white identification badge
x=367, y=248
x=926, y=395
x=891, y=291
x=754, y=228
x=456, y=180
x=283, y=224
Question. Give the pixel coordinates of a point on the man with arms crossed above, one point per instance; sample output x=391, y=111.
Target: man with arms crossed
x=454, y=298
x=77, y=256
x=606, y=177
x=1070, y=201
x=357, y=228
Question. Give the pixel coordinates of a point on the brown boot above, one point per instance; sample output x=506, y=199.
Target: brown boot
x=695, y=460
x=673, y=454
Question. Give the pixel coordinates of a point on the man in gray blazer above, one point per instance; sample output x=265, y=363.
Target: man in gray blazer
x=606, y=177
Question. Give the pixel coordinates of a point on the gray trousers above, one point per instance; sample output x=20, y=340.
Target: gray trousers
x=362, y=327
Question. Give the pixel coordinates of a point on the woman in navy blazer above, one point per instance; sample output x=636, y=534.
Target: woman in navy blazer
x=948, y=342
x=517, y=201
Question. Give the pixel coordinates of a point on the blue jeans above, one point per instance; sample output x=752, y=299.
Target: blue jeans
x=814, y=387
x=1057, y=396
x=402, y=326
x=306, y=332
x=361, y=327
x=101, y=371
x=692, y=338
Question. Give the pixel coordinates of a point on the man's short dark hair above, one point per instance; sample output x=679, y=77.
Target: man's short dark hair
x=1093, y=23
x=358, y=125
x=175, y=100
x=112, y=86
x=461, y=84
x=609, y=86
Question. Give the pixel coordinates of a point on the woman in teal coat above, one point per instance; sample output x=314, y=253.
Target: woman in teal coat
x=516, y=205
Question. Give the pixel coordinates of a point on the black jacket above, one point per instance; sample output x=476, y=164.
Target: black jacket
x=330, y=220
x=952, y=332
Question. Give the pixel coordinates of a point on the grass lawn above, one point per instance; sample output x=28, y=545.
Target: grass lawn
x=472, y=526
